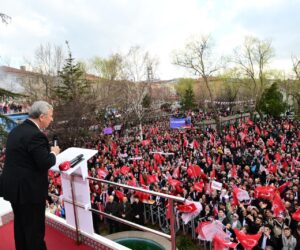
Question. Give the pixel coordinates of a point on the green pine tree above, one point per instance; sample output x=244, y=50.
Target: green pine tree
x=272, y=101
x=146, y=103
x=188, y=99
x=73, y=82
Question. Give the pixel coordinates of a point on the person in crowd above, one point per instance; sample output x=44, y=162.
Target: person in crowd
x=112, y=209
x=266, y=239
x=125, y=212
x=289, y=242
x=137, y=211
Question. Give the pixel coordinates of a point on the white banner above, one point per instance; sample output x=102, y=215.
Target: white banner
x=216, y=185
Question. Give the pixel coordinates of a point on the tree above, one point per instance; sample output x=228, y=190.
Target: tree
x=74, y=103
x=110, y=68
x=184, y=84
x=5, y=18
x=47, y=62
x=188, y=99
x=136, y=64
x=73, y=82
x=231, y=86
x=295, y=84
x=197, y=57
x=146, y=101
x=253, y=58
x=272, y=102
x=135, y=74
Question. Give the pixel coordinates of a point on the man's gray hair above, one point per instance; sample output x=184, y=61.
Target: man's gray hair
x=38, y=108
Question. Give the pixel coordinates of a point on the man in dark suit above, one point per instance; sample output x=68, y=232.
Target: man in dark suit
x=137, y=211
x=112, y=208
x=125, y=212
x=24, y=181
x=267, y=239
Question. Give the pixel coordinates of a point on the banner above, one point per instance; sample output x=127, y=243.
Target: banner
x=117, y=127
x=107, y=131
x=216, y=185
x=177, y=122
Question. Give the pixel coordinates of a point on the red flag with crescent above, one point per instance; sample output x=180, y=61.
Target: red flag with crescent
x=248, y=241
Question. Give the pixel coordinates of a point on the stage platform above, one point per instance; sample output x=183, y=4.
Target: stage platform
x=59, y=235
x=54, y=239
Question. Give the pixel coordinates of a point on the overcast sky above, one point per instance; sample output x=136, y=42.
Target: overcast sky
x=102, y=27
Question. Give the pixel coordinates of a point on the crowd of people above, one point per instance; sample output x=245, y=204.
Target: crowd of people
x=11, y=107
x=243, y=157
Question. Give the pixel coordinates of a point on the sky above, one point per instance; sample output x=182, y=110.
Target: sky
x=102, y=27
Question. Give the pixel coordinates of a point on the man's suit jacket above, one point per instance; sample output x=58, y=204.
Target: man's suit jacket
x=28, y=158
x=270, y=242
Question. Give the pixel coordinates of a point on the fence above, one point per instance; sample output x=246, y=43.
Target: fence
x=170, y=198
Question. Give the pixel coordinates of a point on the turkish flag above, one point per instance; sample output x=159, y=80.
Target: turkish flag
x=228, y=138
x=218, y=159
x=206, y=230
x=136, y=150
x=278, y=205
x=213, y=174
x=248, y=241
x=191, y=212
x=240, y=195
x=176, y=173
x=196, y=144
x=198, y=186
x=265, y=192
x=222, y=244
x=270, y=142
x=208, y=160
x=283, y=186
x=194, y=171
x=151, y=179
x=199, y=229
x=142, y=196
x=173, y=182
x=233, y=171
x=102, y=173
x=120, y=195
x=296, y=215
x=242, y=135
x=132, y=182
x=157, y=158
x=124, y=170
x=272, y=168
x=278, y=156
x=250, y=123
x=146, y=142
x=185, y=142
x=187, y=208
x=257, y=130
x=141, y=179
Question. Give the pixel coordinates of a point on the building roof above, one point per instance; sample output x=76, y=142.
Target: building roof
x=22, y=71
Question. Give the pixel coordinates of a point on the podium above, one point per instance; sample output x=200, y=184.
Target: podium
x=76, y=189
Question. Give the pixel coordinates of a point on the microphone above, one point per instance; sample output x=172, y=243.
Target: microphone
x=66, y=165
x=55, y=140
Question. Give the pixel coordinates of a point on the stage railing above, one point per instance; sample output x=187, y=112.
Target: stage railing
x=171, y=198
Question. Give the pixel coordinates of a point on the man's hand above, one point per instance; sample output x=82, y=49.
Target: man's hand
x=55, y=150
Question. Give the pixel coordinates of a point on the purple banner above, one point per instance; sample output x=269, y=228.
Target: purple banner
x=107, y=131
x=177, y=122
